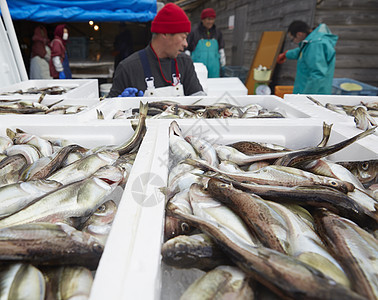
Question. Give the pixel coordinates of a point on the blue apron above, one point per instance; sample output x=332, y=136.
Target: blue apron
x=207, y=52
x=66, y=67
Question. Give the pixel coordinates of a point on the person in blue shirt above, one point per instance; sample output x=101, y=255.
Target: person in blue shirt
x=316, y=57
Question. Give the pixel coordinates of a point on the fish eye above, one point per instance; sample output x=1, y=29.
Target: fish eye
x=98, y=248
x=365, y=166
x=102, y=208
x=185, y=227
x=333, y=183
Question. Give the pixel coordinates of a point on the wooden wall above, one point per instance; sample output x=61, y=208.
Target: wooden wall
x=354, y=21
x=356, y=24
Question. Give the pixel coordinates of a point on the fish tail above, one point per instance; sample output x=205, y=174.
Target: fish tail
x=143, y=109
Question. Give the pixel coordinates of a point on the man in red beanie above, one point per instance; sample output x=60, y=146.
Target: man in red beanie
x=161, y=69
x=206, y=45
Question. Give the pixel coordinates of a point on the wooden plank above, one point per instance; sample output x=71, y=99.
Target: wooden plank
x=342, y=17
x=356, y=47
x=354, y=4
x=357, y=61
x=357, y=33
x=266, y=55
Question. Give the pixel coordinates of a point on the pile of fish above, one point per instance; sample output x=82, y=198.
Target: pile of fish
x=263, y=221
x=50, y=90
x=17, y=106
x=175, y=110
x=365, y=114
x=57, y=204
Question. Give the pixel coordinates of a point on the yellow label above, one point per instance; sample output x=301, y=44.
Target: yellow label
x=208, y=44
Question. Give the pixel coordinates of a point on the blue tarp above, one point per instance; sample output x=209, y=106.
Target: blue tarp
x=54, y=11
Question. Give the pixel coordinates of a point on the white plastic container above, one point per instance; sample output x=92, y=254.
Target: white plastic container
x=202, y=73
x=132, y=269
x=86, y=114
x=79, y=88
x=125, y=229
x=232, y=86
x=272, y=103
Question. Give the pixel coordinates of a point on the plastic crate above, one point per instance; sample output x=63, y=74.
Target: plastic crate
x=365, y=89
x=281, y=90
x=235, y=71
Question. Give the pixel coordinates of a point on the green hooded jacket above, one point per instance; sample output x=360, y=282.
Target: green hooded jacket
x=316, y=57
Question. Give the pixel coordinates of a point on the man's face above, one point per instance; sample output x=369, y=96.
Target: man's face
x=208, y=22
x=299, y=37
x=176, y=43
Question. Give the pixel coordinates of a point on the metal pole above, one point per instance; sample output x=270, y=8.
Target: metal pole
x=13, y=40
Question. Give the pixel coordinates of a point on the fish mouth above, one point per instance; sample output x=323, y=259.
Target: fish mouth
x=108, y=180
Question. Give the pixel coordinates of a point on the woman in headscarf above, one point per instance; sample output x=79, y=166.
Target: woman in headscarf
x=59, y=65
x=40, y=54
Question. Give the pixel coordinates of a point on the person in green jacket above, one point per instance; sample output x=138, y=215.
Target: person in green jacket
x=316, y=57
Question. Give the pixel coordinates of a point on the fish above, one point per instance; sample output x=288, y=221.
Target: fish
x=356, y=249
x=336, y=108
x=45, y=166
x=84, y=167
x=251, y=148
x=301, y=156
x=284, y=275
x=260, y=218
x=193, y=251
x=136, y=139
x=365, y=171
x=311, y=196
x=21, y=281
x=174, y=227
x=44, y=146
x=100, y=222
x=47, y=244
x=326, y=134
x=205, y=149
x=68, y=282
x=203, y=203
x=223, y=282
x=76, y=200
x=11, y=168
x=30, y=152
x=16, y=196
x=306, y=245
x=100, y=115
x=5, y=142
x=278, y=175
x=362, y=119
x=179, y=147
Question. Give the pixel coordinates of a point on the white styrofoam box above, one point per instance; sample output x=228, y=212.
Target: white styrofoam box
x=303, y=101
x=130, y=265
x=131, y=268
x=86, y=114
x=316, y=111
x=81, y=88
x=273, y=103
x=230, y=85
x=201, y=72
x=125, y=230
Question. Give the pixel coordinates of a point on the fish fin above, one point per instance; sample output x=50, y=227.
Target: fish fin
x=10, y=133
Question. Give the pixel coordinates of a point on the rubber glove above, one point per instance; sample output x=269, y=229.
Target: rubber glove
x=131, y=92
x=281, y=58
x=222, y=57
x=62, y=75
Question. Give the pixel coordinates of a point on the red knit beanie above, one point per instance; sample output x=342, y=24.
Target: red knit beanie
x=208, y=13
x=170, y=19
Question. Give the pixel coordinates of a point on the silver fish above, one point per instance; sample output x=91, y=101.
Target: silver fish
x=100, y=222
x=224, y=282
x=286, y=276
x=5, y=142
x=49, y=244
x=362, y=118
x=30, y=152
x=193, y=251
x=43, y=145
x=84, y=167
x=205, y=149
x=16, y=196
x=68, y=282
x=11, y=168
x=21, y=281
x=365, y=171
x=79, y=199
x=356, y=249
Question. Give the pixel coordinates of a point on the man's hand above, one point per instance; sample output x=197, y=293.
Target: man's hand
x=131, y=92
x=62, y=75
x=281, y=58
